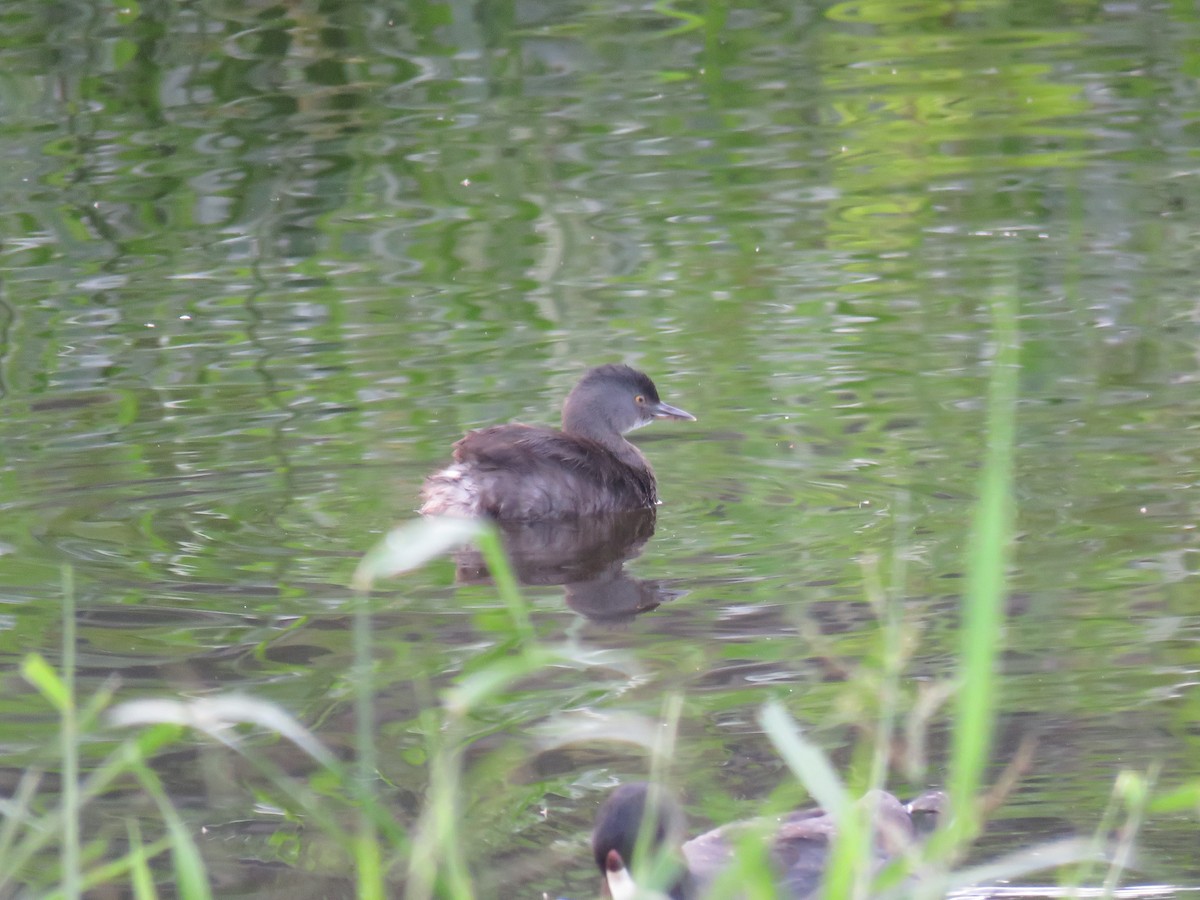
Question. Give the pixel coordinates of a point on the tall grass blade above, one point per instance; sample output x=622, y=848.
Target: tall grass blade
x=16, y=813
x=140, y=878
x=988, y=554
x=367, y=863
x=366, y=842
x=490, y=546
x=436, y=865
x=1133, y=790
x=191, y=880
x=69, y=742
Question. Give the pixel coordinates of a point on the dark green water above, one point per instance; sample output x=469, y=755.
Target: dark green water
x=262, y=263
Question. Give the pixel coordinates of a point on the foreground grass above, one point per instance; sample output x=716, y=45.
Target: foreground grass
x=31, y=836
x=44, y=850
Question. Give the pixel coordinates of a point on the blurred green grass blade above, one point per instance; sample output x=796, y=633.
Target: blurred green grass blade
x=750, y=874
x=1132, y=790
x=215, y=715
x=191, y=880
x=616, y=726
x=1185, y=797
x=36, y=831
x=412, y=545
x=368, y=868
x=106, y=874
x=416, y=543
x=492, y=550
x=806, y=760
x=150, y=740
x=988, y=554
x=92, y=711
x=480, y=687
x=69, y=746
x=16, y=812
x=369, y=874
x=190, y=877
x=436, y=867
x=140, y=878
x=688, y=21
x=42, y=676
x=1020, y=864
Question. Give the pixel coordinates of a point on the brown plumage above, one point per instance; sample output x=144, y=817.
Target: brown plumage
x=525, y=473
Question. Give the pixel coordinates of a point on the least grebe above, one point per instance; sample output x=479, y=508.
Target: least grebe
x=526, y=473
x=799, y=842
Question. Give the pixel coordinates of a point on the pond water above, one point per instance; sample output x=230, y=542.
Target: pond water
x=263, y=263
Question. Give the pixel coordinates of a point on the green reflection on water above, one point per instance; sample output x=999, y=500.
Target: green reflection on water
x=262, y=267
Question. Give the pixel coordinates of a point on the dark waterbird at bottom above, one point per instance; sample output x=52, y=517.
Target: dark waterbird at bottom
x=526, y=473
x=799, y=842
